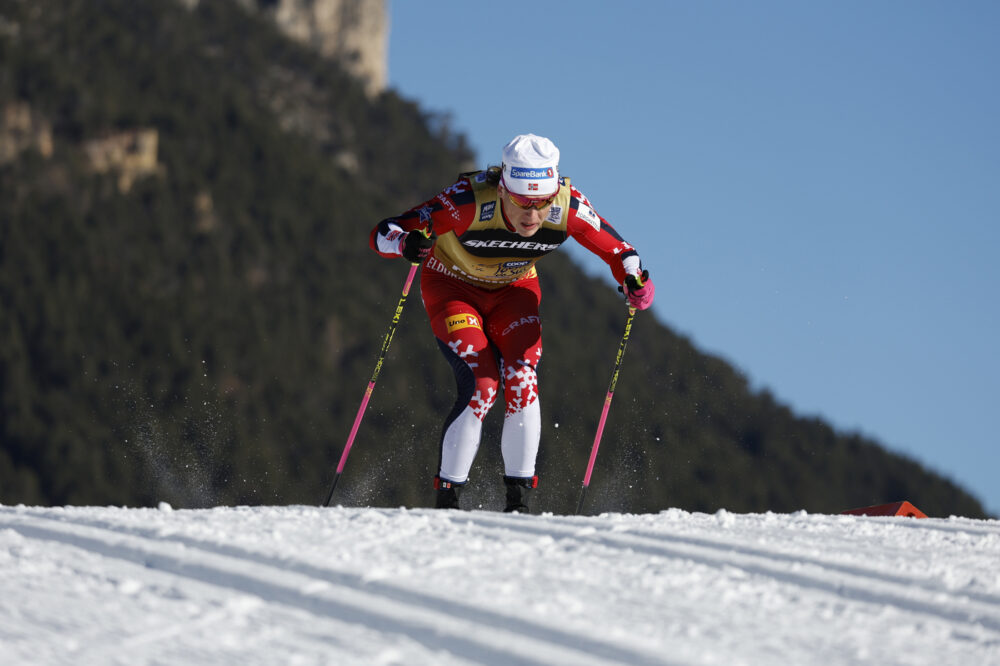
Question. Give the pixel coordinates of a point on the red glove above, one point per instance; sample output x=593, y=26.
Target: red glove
x=639, y=290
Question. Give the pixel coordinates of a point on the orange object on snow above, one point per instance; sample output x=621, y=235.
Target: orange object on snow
x=894, y=509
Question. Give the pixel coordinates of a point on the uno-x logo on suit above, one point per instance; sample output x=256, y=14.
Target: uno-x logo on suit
x=457, y=322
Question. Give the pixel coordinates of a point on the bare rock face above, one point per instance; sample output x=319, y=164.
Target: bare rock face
x=22, y=129
x=354, y=32
x=132, y=154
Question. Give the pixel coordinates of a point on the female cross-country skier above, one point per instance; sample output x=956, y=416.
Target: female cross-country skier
x=478, y=241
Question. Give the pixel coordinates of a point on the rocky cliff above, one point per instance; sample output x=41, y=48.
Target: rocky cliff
x=355, y=32
x=22, y=129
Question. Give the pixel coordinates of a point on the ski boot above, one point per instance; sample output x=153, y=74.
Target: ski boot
x=447, y=493
x=518, y=491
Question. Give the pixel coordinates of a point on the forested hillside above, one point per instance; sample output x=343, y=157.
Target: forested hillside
x=196, y=322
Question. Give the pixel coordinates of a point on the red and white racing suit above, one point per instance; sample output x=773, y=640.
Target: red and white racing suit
x=481, y=292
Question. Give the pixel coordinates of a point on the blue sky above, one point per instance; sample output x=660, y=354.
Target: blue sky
x=814, y=186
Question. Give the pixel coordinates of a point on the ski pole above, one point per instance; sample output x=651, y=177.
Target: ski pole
x=371, y=382
x=607, y=406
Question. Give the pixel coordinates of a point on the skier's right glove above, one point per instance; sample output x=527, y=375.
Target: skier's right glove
x=416, y=245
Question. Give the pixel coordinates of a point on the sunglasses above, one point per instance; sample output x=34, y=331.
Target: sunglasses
x=526, y=203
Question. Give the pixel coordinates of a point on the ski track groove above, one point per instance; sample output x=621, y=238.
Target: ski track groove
x=958, y=526
x=818, y=562
x=438, y=623
x=853, y=582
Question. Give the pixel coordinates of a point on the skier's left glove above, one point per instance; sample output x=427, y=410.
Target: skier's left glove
x=416, y=245
x=638, y=290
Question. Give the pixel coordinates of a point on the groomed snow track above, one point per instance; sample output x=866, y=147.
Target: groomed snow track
x=398, y=586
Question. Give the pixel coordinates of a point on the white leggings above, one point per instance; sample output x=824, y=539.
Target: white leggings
x=522, y=429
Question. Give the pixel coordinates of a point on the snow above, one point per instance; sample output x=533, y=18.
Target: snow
x=309, y=585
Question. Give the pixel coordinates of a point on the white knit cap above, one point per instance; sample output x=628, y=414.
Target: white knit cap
x=531, y=166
